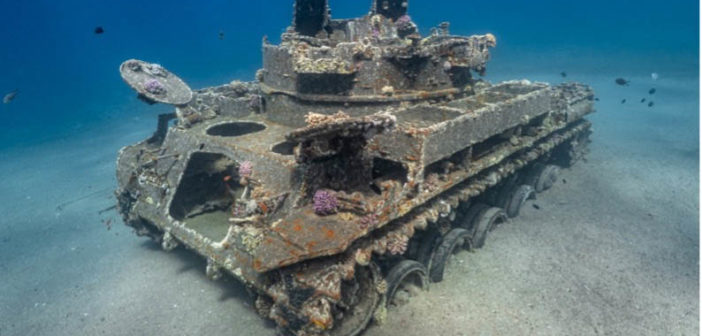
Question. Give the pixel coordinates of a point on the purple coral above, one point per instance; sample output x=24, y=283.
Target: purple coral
x=153, y=86
x=403, y=20
x=325, y=202
x=405, y=25
x=245, y=169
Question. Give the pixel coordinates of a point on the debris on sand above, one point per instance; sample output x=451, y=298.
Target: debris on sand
x=10, y=96
x=107, y=209
x=621, y=81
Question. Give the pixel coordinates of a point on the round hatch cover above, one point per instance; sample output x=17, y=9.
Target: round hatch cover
x=155, y=83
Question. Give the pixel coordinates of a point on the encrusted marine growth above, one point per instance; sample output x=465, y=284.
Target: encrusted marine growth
x=246, y=169
x=362, y=157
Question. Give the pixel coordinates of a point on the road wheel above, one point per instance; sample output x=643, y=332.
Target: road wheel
x=485, y=222
x=360, y=298
x=468, y=219
x=403, y=279
x=513, y=199
x=455, y=240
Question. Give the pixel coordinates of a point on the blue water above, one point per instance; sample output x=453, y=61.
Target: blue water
x=68, y=79
x=59, y=140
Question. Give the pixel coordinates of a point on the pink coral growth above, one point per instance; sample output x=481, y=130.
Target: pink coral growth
x=245, y=169
x=397, y=243
x=325, y=202
x=368, y=221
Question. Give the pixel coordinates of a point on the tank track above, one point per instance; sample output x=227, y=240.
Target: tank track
x=434, y=230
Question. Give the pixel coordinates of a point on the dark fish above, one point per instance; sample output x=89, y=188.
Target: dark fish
x=650, y=104
x=597, y=99
x=564, y=181
x=99, y=30
x=643, y=100
x=563, y=74
x=623, y=101
x=652, y=91
x=621, y=81
x=10, y=96
x=221, y=35
x=536, y=206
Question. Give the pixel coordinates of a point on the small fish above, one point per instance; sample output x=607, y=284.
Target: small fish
x=652, y=91
x=650, y=104
x=108, y=223
x=643, y=100
x=10, y=96
x=536, y=206
x=99, y=30
x=621, y=81
x=564, y=181
x=563, y=74
x=623, y=101
x=597, y=99
x=221, y=35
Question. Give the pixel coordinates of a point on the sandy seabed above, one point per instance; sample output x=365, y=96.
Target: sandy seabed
x=612, y=249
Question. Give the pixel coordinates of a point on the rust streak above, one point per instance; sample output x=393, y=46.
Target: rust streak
x=329, y=233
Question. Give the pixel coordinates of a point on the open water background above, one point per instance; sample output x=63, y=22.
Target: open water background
x=68, y=78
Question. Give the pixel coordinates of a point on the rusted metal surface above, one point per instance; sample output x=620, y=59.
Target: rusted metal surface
x=357, y=136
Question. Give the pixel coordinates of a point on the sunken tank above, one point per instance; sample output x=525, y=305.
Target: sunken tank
x=360, y=159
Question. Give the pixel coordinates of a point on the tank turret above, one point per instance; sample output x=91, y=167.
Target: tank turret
x=365, y=64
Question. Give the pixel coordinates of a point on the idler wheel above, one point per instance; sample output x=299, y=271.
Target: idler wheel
x=542, y=177
x=403, y=277
x=360, y=298
x=485, y=222
x=455, y=240
x=512, y=199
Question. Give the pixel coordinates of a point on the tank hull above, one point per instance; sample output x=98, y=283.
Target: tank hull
x=448, y=154
x=359, y=160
